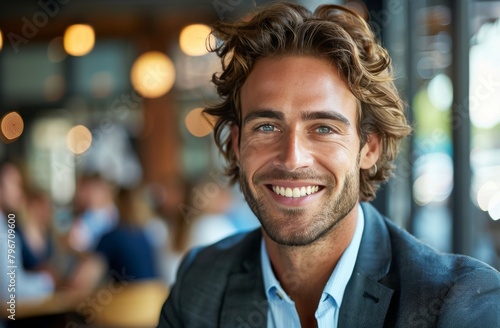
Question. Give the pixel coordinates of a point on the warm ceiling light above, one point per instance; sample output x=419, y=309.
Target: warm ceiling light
x=152, y=74
x=1, y=40
x=79, y=39
x=11, y=127
x=193, y=39
x=79, y=139
x=199, y=123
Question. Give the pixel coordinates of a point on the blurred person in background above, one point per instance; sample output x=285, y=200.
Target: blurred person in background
x=127, y=250
x=30, y=285
x=37, y=231
x=211, y=222
x=96, y=213
x=167, y=196
x=33, y=210
x=315, y=124
x=13, y=188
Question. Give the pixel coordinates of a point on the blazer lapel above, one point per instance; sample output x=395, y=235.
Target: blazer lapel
x=366, y=301
x=245, y=303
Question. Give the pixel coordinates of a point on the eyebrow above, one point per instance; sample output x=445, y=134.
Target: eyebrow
x=263, y=113
x=325, y=115
x=306, y=116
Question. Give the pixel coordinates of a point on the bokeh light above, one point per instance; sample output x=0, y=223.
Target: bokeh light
x=485, y=193
x=423, y=189
x=494, y=207
x=1, y=40
x=440, y=91
x=79, y=139
x=79, y=39
x=198, y=123
x=193, y=39
x=434, y=178
x=152, y=74
x=11, y=126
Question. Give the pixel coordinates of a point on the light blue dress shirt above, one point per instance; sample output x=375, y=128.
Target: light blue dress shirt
x=282, y=311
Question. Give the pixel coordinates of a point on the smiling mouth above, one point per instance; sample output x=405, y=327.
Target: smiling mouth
x=295, y=192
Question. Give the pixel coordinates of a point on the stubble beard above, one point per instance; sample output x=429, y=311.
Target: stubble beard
x=326, y=218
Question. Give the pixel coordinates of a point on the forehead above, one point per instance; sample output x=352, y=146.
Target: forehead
x=295, y=84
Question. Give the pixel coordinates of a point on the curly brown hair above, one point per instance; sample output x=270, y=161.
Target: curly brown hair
x=331, y=32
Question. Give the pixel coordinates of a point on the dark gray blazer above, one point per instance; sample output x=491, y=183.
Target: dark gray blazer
x=397, y=282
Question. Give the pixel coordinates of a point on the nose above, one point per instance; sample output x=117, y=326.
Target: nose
x=293, y=153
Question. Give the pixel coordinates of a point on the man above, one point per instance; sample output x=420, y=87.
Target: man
x=315, y=123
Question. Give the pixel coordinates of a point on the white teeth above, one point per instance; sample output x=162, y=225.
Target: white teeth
x=295, y=192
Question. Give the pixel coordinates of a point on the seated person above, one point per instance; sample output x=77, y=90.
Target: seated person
x=126, y=249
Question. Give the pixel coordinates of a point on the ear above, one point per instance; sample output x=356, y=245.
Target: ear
x=370, y=152
x=235, y=140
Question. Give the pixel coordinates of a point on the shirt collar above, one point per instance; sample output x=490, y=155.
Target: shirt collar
x=338, y=280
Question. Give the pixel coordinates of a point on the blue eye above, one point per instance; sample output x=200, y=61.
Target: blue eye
x=324, y=130
x=266, y=128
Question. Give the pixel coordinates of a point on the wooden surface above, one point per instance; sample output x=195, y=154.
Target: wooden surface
x=137, y=305
x=120, y=304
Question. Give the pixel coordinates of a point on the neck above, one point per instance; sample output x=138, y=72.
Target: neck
x=304, y=271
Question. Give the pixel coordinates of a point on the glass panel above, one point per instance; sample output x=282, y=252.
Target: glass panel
x=28, y=76
x=432, y=148
x=484, y=100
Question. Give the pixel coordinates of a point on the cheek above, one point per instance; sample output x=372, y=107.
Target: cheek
x=255, y=155
x=256, y=146
x=337, y=161
x=247, y=149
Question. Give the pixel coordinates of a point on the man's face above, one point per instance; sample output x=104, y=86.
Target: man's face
x=299, y=150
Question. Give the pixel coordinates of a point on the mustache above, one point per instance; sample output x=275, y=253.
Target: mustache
x=277, y=174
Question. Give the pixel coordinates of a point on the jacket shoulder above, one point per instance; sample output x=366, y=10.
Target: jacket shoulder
x=441, y=289
x=196, y=297
x=222, y=256
x=419, y=257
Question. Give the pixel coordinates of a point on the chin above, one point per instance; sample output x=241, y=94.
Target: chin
x=295, y=237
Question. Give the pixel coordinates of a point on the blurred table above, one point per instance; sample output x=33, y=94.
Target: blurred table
x=122, y=304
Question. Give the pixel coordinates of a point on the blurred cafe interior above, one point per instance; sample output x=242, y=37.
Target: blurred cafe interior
x=101, y=126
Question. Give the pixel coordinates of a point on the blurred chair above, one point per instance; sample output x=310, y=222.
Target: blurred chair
x=138, y=305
